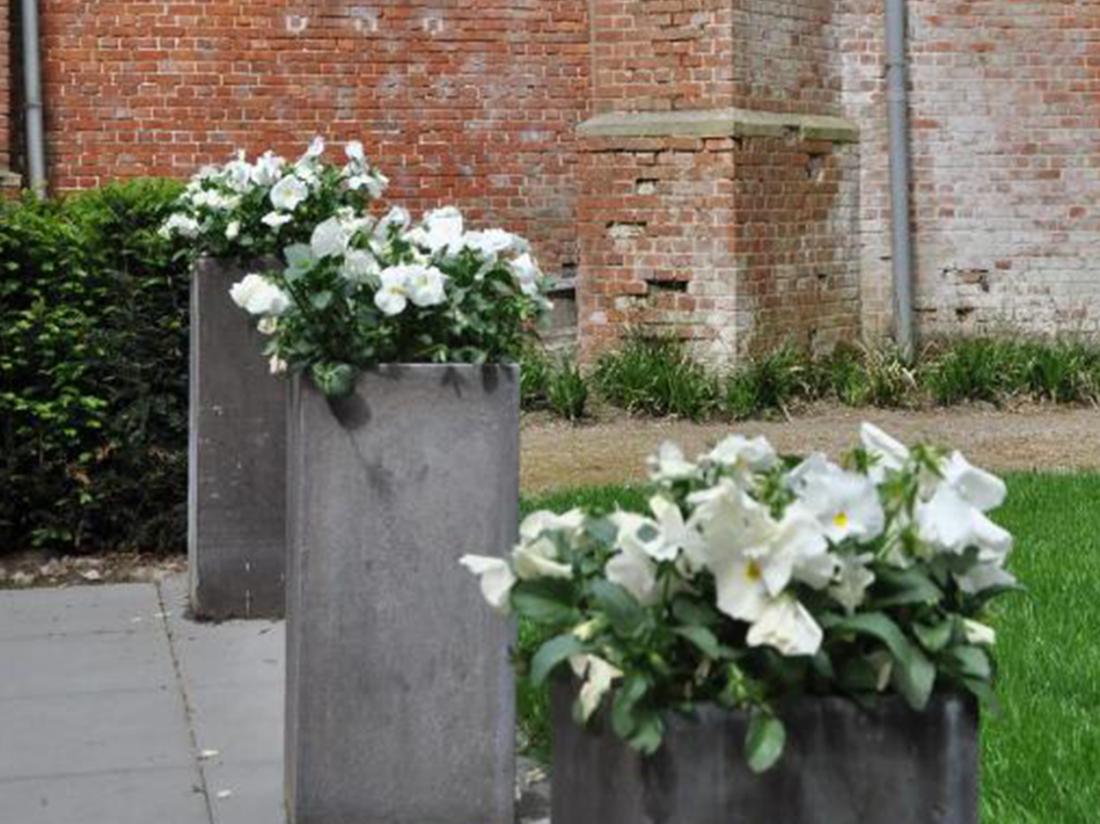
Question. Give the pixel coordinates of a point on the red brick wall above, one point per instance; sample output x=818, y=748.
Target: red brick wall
x=5, y=85
x=1006, y=153
x=468, y=102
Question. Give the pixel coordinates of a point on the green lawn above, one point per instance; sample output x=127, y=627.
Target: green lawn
x=1041, y=755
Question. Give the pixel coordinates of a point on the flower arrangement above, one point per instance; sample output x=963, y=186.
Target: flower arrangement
x=754, y=578
x=343, y=289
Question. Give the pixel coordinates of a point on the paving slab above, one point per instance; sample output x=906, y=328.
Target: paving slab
x=79, y=611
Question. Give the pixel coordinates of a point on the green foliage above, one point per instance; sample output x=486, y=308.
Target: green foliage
x=976, y=369
x=866, y=375
x=552, y=382
x=657, y=376
x=770, y=383
x=93, y=371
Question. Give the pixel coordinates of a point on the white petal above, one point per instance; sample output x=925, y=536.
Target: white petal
x=979, y=633
x=787, y=626
x=978, y=487
x=890, y=454
x=636, y=573
x=497, y=579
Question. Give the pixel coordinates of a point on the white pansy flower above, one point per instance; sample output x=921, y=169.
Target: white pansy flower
x=359, y=265
x=354, y=152
x=426, y=285
x=276, y=219
x=259, y=296
x=316, y=148
x=977, y=487
x=542, y=521
x=299, y=259
x=787, y=626
x=744, y=454
x=233, y=230
x=539, y=559
x=288, y=193
x=983, y=576
x=217, y=201
x=393, y=295
x=668, y=464
x=329, y=239
x=374, y=182
x=398, y=217
x=238, y=175
x=949, y=523
x=598, y=676
x=632, y=568
x=268, y=326
x=268, y=169
x=277, y=365
x=890, y=455
x=496, y=578
x=182, y=225
x=673, y=533
x=853, y=578
x=978, y=633
x=440, y=231
x=492, y=242
x=846, y=503
x=527, y=273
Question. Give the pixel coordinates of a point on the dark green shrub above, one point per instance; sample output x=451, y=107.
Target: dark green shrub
x=657, y=376
x=770, y=383
x=93, y=372
x=842, y=374
x=976, y=369
x=534, y=376
x=1063, y=371
x=567, y=390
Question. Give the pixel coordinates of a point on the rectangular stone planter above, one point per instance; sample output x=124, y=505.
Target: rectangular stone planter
x=400, y=698
x=236, y=507
x=842, y=765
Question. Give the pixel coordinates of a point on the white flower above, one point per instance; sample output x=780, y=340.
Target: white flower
x=787, y=626
x=268, y=169
x=329, y=239
x=180, y=224
x=668, y=464
x=233, y=230
x=359, y=265
x=440, y=231
x=393, y=295
x=259, y=296
x=977, y=487
x=277, y=365
x=598, y=675
x=425, y=285
x=847, y=504
x=673, y=533
x=238, y=175
x=527, y=273
x=374, y=182
x=316, y=148
x=355, y=153
x=632, y=569
x=890, y=455
x=288, y=193
x=267, y=326
x=852, y=581
x=492, y=242
x=397, y=217
x=497, y=579
x=538, y=523
x=984, y=576
x=217, y=201
x=276, y=219
x=978, y=633
x=539, y=559
x=949, y=523
x=743, y=454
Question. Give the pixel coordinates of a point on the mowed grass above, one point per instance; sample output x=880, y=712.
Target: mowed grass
x=1041, y=754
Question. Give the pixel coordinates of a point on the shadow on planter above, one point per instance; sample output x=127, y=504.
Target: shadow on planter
x=842, y=765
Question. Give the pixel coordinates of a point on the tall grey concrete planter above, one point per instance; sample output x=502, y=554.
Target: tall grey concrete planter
x=400, y=700
x=236, y=541
x=842, y=765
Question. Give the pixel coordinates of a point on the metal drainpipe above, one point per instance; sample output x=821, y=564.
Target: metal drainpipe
x=32, y=81
x=897, y=96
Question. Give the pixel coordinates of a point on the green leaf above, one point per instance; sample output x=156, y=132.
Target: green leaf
x=552, y=653
x=970, y=662
x=546, y=601
x=937, y=637
x=703, y=639
x=913, y=673
x=335, y=380
x=625, y=614
x=648, y=734
x=690, y=611
x=632, y=690
x=897, y=587
x=764, y=740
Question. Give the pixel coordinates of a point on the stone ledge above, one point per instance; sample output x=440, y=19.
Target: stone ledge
x=729, y=122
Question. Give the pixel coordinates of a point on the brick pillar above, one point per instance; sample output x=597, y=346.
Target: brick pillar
x=719, y=193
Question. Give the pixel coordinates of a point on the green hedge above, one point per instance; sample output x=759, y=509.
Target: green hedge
x=93, y=372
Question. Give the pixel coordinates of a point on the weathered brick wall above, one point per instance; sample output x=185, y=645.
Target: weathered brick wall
x=468, y=102
x=1006, y=152
x=5, y=85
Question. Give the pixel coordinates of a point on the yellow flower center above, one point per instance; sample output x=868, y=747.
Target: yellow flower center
x=752, y=571
x=840, y=520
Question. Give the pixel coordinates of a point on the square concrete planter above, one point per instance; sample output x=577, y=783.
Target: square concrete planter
x=842, y=765
x=400, y=698
x=236, y=507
